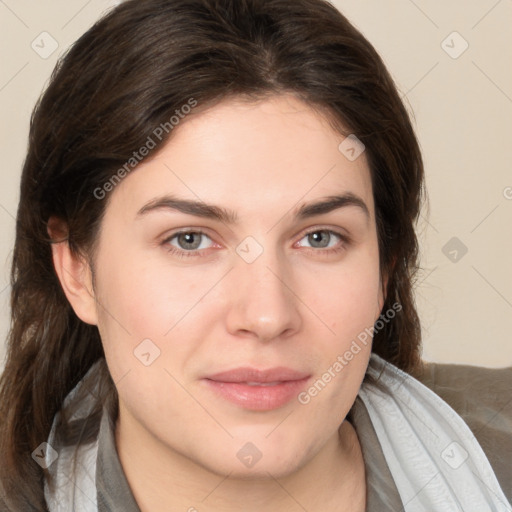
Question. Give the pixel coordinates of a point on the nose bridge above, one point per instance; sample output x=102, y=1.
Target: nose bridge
x=265, y=278
x=262, y=303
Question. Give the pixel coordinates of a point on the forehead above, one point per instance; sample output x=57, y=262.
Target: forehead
x=251, y=157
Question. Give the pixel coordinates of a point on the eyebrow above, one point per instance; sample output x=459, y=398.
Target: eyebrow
x=226, y=216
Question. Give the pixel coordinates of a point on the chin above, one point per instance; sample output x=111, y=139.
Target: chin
x=262, y=471
x=258, y=460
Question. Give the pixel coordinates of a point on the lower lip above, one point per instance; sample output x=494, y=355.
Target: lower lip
x=258, y=398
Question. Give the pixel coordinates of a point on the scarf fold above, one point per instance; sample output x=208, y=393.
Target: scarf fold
x=435, y=460
x=74, y=471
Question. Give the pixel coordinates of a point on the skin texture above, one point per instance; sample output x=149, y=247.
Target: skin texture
x=296, y=305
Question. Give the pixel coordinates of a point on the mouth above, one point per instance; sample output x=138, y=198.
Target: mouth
x=258, y=390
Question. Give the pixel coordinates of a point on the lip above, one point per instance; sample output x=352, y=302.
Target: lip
x=258, y=390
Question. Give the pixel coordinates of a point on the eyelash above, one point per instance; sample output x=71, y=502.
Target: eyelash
x=344, y=240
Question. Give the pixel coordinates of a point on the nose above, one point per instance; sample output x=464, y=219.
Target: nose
x=262, y=302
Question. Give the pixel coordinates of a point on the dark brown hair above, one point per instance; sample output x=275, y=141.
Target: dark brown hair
x=124, y=77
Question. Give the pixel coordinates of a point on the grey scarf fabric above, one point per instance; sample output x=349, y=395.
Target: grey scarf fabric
x=435, y=461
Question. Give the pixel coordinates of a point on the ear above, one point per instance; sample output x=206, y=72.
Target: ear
x=74, y=273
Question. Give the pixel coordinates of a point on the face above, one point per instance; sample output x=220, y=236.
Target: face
x=225, y=300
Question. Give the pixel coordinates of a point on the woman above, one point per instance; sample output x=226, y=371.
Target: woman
x=212, y=280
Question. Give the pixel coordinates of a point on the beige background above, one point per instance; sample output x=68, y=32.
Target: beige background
x=462, y=102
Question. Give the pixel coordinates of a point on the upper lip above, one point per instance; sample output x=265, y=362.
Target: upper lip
x=248, y=374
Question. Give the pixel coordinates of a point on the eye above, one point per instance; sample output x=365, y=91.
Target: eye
x=194, y=243
x=324, y=239
x=187, y=243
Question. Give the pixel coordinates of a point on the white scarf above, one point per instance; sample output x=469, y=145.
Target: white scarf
x=435, y=460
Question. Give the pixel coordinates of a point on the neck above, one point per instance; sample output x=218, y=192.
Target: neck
x=162, y=479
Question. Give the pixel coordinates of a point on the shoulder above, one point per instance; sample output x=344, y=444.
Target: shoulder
x=483, y=398
x=470, y=385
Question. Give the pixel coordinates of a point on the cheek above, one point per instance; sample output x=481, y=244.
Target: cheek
x=139, y=292
x=350, y=311
x=142, y=299
x=347, y=297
